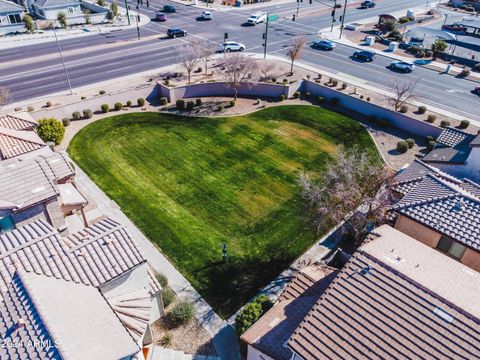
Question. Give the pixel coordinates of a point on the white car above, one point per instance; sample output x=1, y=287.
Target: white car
x=230, y=46
x=207, y=15
x=255, y=19
x=402, y=66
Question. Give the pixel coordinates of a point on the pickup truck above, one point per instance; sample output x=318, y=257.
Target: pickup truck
x=257, y=18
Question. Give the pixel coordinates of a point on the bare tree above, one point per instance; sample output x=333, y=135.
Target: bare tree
x=190, y=57
x=266, y=68
x=354, y=188
x=403, y=93
x=295, y=50
x=206, y=49
x=4, y=96
x=238, y=69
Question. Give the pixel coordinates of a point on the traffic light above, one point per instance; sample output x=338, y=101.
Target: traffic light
x=225, y=36
x=293, y=17
x=263, y=37
x=310, y=2
x=148, y=3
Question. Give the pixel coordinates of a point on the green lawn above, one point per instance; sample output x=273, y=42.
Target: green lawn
x=192, y=184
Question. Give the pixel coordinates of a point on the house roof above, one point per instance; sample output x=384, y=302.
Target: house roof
x=395, y=298
x=275, y=327
x=448, y=155
x=94, y=256
x=30, y=182
x=8, y=7
x=446, y=208
x=452, y=137
x=19, y=120
x=56, y=3
x=74, y=318
x=14, y=143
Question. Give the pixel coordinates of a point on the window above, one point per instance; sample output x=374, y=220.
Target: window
x=451, y=247
x=15, y=19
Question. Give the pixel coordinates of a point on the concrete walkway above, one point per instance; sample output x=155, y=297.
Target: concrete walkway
x=224, y=335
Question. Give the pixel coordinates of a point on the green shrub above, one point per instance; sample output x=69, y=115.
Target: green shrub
x=163, y=101
x=76, y=115
x=220, y=108
x=141, y=102
x=464, y=124
x=402, y=147
x=30, y=108
x=168, y=296
x=465, y=73
x=334, y=101
x=180, y=104
x=444, y=123
x=430, y=145
x=48, y=104
x=101, y=92
x=66, y=121
x=429, y=138
x=118, y=106
x=282, y=97
x=368, y=98
x=128, y=103
x=422, y=109
x=162, y=279
x=190, y=105
x=51, y=130
x=476, y=67
x=296, y=94
x=166, y=340
x=410, y=142
x=403, y=109
x=431, y=118
x=83, y=98
x=361, y=97
x=251, y=313
x=344, y=86
x=87, y=114
x=105, y=108
x=182, y=313
x=232, y=103
x=198, y=102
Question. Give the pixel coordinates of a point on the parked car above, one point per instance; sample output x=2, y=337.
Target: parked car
x=402, y=66
x=230, y=46
x=364, y=55
x=477, y=90
x=258, y=18
x=160, y=16
x=173, y=33
x=323, y=44
x=169, y=9
x=207, y=15
x=367, y=4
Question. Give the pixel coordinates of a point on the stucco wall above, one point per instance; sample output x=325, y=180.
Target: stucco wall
x=366, y=108
x=417, y=231
x=471, y=258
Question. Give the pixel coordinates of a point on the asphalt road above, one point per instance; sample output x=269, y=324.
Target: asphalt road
x=36, y=70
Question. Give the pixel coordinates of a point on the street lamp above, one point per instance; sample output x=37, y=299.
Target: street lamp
x=343, y=18
x=63, y=61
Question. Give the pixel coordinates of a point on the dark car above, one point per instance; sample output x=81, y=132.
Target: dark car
x=173, y=33
x=477, y=90
x=455, y=28
x=364, y=55
x=323, y=44
x=169, y=9
x=367, y=4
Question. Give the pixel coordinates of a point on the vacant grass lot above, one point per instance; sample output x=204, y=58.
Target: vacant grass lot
x=192, y=184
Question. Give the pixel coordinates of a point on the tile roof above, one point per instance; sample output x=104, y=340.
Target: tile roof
x=74, y=318
x=452, y=137
x=445, y=208
x=470, y=186
x=30, y=182
x=20, y=120
x=389, y=302
x=274, y=328
x=8, y=6
x=94, y=256
x=56, y=3
x=448, y=155
x=15, y=143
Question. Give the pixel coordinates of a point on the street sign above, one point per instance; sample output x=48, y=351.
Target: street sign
x=272, y=17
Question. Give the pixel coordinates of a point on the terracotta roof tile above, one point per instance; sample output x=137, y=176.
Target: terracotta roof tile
x=18, y=121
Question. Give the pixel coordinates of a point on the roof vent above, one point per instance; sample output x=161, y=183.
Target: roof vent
x=443, y=315
x=366, y=270
x=458, y=205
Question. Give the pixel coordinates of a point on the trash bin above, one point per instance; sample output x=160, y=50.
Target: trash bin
x=238, y=3
x=370, y=40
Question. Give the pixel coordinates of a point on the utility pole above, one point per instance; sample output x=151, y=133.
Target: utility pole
x=138, y=19
x=63, y=61
x=265, y=38
x=343, y=18
x=128, y=14
x=298, y=6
